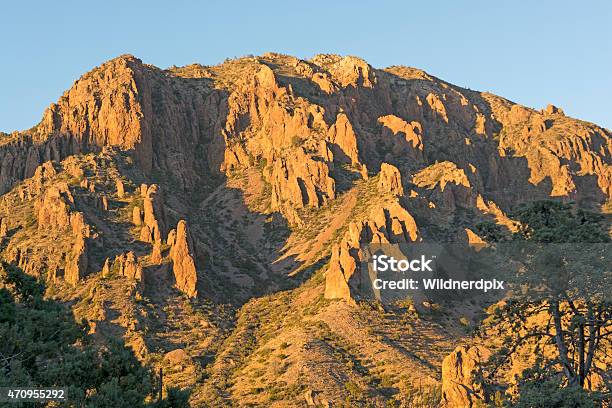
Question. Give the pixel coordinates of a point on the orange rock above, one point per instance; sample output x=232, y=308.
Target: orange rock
x=54, y=209
x=183, y=261
x=153, y=214
x=156, y=254
x=390, y=180
x=120, y=188
x=462, y=377
x=127, y=265
x=390, y=223
x=3, y=227
x=474, y=240
x=104, y=202
x=437, y=106
x=341, y=133
x=76, y=264
x=114, y=119
x=136, y=216
x=106, y=268
x=300, y=181
x=412, y=132
x=553, y=110
x=146, y=235
x=171, y=237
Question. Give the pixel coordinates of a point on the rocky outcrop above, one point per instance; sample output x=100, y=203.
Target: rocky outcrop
x=153, y=219
x=156, y=253
x=21, y=155
x=410, y=140
x=462, y=377
x=55, y=215
x=53, y=210
x=562, y=154
x=437, y=106
x=390, y=223
x=120, y=188
x=347, y=71
x=102, y=202
x=441, y=174
x=473, y=239
x=77, y=261
x=390, y=180
x=137, y=216
x=183, y=261
x=447, y=185
x=553, y=110
x=114, y=120
x=3, y=228
x=342, y=135
x=106, y=269
x=171, y=237
x=127, y=265
x=300, y=181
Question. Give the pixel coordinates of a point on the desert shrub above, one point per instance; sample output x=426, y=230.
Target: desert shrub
x=42, y=346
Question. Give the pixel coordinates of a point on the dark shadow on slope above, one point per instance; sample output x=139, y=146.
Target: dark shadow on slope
x=43, y=346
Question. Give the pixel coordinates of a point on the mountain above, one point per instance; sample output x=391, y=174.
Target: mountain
x=210, y=215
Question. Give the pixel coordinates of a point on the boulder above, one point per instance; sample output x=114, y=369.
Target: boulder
x=462, y=377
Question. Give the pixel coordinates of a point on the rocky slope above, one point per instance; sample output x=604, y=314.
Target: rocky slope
x=212, y=216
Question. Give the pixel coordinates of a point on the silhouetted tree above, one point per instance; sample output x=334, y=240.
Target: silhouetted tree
x=42, y=346
x=560, y=263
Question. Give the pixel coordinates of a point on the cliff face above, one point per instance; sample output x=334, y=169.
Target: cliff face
x=303, y=118
x=281, y=168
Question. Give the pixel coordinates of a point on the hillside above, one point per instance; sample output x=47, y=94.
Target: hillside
x=209, y=216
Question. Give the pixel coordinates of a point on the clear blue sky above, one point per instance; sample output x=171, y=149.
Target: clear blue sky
x=532, y=52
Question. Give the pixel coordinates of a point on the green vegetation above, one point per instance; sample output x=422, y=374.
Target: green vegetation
x=538, y=390
x=296, y=141
x=42, y=346
x=564, y=304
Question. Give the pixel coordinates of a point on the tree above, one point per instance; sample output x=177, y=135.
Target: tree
x=42, y=346
x=538, y=390
x=560, y=264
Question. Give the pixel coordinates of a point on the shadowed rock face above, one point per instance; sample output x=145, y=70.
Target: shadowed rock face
x=275, y=170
